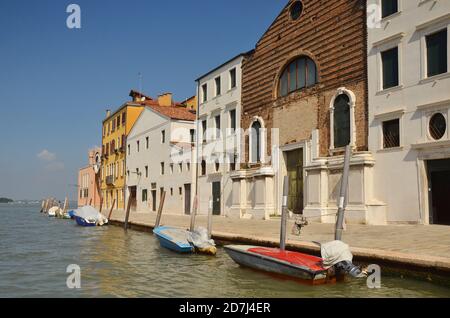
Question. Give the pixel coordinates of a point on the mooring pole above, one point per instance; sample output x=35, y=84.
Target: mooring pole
x=194, y=214
x=210, y=210
x=160, y=209
x=343, y=196
x=284, y=213
x=112, y=208
x=127, y=215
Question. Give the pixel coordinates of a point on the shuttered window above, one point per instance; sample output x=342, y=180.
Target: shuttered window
x=437, y=53
x=341, y=121
x=390, y=68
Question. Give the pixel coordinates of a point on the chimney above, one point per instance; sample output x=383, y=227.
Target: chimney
x=108, y=113
x=165, y=99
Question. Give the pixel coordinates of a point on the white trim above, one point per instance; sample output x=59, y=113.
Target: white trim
x=352, y=104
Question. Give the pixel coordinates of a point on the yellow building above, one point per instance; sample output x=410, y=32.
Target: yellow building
x=191, y=103
x=116, y=127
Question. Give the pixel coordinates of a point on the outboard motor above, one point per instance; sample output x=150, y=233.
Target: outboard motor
x=337, y=255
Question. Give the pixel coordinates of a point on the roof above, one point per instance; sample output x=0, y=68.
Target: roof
x=174, y=112
x=223, y=64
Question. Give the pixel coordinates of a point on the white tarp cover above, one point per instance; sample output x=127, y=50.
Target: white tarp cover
x=199, y=238
x=90, y=214
x=335, y=252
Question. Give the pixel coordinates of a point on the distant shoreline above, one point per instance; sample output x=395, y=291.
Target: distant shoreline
x=6, y=200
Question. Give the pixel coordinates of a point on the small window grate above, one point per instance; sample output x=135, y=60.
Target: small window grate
x=438, y=126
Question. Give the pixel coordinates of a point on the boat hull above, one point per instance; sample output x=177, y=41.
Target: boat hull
x=173, y=239
x=292, y=264
x=83, y=222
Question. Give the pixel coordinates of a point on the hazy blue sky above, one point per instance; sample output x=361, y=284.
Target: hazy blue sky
x=55, y=83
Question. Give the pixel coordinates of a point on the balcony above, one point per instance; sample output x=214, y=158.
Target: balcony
x=110, y=180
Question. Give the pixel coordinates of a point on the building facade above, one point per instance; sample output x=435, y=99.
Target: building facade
x=219, y=93
x=159, y=157
x=89, y=181
x=304, y=98
x=409, y=98
x=115, y=129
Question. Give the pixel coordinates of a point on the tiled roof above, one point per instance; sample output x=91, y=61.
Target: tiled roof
x=174, y=112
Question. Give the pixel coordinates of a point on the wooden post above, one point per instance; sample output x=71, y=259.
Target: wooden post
x=101, y=204
x=66, y=205
x=194, y=213
x=90, y=201
x=160, y=209
x=343, y=196
x=210, y=209
x=127, y=215
x=112, y=208
x=284, y=214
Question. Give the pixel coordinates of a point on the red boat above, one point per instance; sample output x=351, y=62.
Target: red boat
x=294, y=264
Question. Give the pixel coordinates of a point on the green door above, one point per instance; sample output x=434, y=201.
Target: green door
x=294, y=161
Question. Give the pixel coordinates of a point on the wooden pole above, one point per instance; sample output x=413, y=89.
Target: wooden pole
x=112, y=208
x=193, y=214
x=160, y=209
x=210, y=210
x=90, y=201
x=284, y=214
x=343, y=196
x=101, y=204
x=127, y=215
x=66, y=205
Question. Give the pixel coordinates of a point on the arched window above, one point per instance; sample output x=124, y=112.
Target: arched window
x=300, y=73
x=341, y=121
x=255, y=142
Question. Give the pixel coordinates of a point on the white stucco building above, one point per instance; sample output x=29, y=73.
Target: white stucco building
x=409, y=108
x=155, y=160
x=219, y=114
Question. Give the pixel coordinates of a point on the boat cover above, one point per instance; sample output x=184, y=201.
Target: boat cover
x=199, y=238
x=295, y=258
x=335, y=252
x=91, y=214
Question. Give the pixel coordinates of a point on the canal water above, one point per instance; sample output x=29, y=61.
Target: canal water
x=35, y=251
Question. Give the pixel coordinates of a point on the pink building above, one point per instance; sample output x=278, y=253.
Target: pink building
x=88, y=181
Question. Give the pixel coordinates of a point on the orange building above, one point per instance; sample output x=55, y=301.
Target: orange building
x=88, y=181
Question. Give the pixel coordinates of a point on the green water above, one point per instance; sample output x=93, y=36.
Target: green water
x=35, y=251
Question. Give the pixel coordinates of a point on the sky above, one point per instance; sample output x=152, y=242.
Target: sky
x=56, y=83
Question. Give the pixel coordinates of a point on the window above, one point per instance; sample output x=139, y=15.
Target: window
x=217, y=166
x=171, y=168
x=256, y=142
x=233, y=159
x=204, y=93
x=391, y=134
x=233, y=78
x=163, y=136
x=389, y=60
x=171, y=191
x=180, y=190
x=192, y=135
x=296, y=10
x=204, y=130
x=341, y=121
x=144, y=195
x=180, y=167
x=203, y=168
x=437, y=126
x=118, y=121
x=124, y=118
x=129, y=149
x=217, y=82
x=188, y=166
x=147, y=142
x=162, y=168
x=437, y=53
x=300, y=73
x=137, y=145
x=146, y=171
x=388, y=7
x=113, y=129
x=233, y=120
x=137, y=172
x=217, y=122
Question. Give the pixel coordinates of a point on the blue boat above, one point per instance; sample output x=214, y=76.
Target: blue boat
x=83, y=222
x=72, y=214
x=174, y=239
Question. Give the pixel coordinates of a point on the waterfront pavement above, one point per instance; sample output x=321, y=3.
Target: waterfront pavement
x=423, y=247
